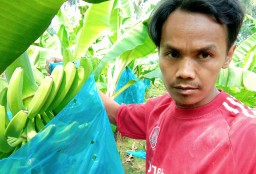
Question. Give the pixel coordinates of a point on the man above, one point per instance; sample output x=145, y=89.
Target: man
x=195, y=128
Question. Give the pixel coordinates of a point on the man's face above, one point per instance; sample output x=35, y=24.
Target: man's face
x=192, y=51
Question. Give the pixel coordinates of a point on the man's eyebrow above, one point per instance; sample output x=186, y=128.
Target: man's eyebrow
x=170, y=47
x=208, y=47
x=205, y=48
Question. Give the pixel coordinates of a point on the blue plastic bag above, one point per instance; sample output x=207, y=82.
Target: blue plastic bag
x=79, y=140
x=136, y=92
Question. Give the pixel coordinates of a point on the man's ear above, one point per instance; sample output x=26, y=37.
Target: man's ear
x=229, y=56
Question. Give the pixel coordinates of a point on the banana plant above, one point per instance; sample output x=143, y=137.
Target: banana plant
x=130, y=40
x=108, y=22
x=239, y=78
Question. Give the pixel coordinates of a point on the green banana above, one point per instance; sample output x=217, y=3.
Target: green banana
x=14, y=92
x=74, y=89
x=3, y=83
x=82, y=74
x=3, y=96
x=45, y=118
x=3, y=102
x=14, y=141
x=4, y=146
x=17, y=124
x=29, y=83
x=57, y=76
x=40, y=97
x=39, y=123
x=30, y=129
x=50, y=114
x=4, y=155
x=27, y=101
x=68, y=78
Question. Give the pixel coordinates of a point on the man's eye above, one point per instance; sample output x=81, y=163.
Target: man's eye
x=173, y=54
x=204, y=55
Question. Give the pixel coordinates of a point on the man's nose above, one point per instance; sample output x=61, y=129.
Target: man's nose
x=186, y=69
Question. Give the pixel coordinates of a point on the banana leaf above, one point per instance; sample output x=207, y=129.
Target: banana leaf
x=96, y=21
x=237, y=77
x=246, y=47
x=21, y=23
x=133, y=44
x=120, y=13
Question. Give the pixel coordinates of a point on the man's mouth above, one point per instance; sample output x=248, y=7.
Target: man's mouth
x=185, y=90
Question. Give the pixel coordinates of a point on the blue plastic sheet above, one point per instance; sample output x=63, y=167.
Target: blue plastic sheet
x=138, y=153
x=136, y=92
x=79, y=140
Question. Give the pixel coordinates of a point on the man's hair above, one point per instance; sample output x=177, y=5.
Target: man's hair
x=226, y=12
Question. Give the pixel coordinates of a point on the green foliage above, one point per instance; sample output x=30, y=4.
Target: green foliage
x=113, y=34
x=19, y=29
x=239, y=79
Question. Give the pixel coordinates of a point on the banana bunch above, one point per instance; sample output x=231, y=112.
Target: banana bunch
x=31, y=114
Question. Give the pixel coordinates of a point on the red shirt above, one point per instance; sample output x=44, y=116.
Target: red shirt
x=217, y=138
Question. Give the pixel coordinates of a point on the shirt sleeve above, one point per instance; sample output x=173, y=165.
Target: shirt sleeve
x=132, y=119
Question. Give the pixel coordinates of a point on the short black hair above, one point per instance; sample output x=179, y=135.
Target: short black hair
x=227, y=12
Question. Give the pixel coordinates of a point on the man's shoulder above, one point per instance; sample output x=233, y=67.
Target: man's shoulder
x=236, y=108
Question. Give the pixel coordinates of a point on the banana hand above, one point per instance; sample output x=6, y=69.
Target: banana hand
x=82, y=74
x=68, y=78
x=74, y=89
x=57, y=76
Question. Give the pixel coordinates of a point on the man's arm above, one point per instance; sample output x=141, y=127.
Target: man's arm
x=111, y=107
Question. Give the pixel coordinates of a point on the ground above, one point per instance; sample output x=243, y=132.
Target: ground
x=131, y=164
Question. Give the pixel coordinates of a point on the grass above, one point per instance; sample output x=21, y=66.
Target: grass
x=131, y=164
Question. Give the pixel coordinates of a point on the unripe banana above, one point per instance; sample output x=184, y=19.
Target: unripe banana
x=45, y=118
x=68, y=78
x=40, y=97
x=30, y=129
x=14, y=93
x=4, y=146
x=3, y=96
x=4, y=155
x=17, y=124
x=50, y=114
x=39, y=123
x=3, y=102
x=82, y=74
x=14, y=141
x=57, y=76
x=74, y=89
